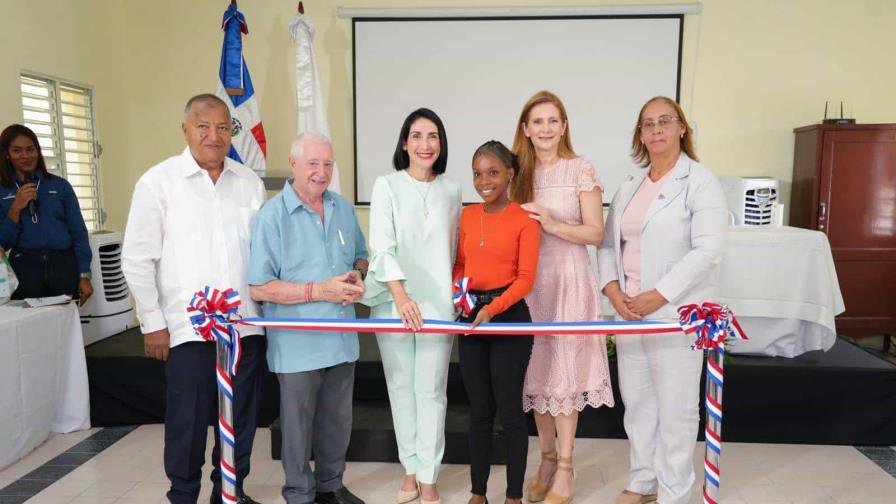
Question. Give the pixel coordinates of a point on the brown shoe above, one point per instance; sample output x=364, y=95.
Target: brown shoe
x=634, y=498
x=563, y=464
x=535, y=491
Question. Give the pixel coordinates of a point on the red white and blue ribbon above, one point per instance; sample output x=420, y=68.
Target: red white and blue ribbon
x=449, y=327
x=463, y=300
x=211, y=312
x=213, y=316
x=715, y=325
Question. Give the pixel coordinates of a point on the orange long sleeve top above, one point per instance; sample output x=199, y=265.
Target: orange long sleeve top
x=497, y=249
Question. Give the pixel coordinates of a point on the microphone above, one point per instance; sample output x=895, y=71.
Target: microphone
x=32, y=205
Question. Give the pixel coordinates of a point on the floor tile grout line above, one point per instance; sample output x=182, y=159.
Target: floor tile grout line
x=38, y=479
x=888, y=465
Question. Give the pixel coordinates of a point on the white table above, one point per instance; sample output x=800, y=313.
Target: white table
x=43, y=373
x=782, y=286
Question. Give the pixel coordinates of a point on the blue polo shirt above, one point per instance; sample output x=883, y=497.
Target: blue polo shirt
x=291, y=243
x=60, y=225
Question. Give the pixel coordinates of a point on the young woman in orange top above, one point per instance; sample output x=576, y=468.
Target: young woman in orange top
x=498, y=252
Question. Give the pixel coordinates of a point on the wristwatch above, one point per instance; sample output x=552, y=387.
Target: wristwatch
x=85, y=275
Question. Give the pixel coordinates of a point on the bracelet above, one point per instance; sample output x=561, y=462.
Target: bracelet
x=308, y=287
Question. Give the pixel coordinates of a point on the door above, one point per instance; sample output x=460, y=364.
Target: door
x=857, y=211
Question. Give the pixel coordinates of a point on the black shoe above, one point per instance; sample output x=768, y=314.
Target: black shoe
x=341, y=496
x=243, y=499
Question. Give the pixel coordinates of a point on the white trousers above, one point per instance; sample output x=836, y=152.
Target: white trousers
x=659, y=378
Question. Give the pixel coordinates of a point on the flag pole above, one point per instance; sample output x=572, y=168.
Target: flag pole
x=712, y=477
x=225, y=424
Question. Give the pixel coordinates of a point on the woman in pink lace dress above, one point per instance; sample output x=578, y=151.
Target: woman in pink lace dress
x=566, y=373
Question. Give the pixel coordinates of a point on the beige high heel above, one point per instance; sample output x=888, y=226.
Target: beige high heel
x=424, y=501
x=535, y=491
x=563, y=464
x=633, y=498
x=405, y=496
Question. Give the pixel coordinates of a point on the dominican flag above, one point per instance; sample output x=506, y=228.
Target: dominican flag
x=248, y=145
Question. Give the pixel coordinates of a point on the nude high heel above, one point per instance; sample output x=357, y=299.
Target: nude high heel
x=405, y=496
x=535, y=491
x=633, y=498
x=563, y=464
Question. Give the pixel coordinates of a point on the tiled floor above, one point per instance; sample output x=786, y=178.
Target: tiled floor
x=130, y=472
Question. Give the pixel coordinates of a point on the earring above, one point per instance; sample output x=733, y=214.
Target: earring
x=681, y=136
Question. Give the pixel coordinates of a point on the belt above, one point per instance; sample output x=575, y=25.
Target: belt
x=41, y=251
x=484, y=297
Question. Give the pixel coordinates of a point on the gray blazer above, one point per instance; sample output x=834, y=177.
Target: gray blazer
x=682, y=238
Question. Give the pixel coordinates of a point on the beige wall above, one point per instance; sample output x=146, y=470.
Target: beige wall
x=83, y=42
x=752, y=70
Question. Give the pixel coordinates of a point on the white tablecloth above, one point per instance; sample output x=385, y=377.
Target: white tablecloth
x=782, y=286
x=44, y=375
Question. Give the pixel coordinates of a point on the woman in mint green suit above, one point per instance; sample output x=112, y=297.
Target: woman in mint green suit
x=414, y=216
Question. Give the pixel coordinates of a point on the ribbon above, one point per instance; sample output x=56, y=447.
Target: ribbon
x=713, y=323
x=211, y=314
x=463, y=300
x=449, y=327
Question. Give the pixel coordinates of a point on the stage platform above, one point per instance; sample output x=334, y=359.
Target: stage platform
x=846, y=396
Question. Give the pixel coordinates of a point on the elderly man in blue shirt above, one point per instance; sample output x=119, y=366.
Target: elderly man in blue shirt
x=308, y=260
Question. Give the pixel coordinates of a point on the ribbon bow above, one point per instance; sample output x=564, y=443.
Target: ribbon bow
x=463, y=300
x=210, y=312
x=715, y=323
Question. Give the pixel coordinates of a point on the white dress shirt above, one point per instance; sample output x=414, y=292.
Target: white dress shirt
x=185, y=232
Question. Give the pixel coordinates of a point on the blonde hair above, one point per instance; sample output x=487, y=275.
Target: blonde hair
x=522, y=190
x=685, y=143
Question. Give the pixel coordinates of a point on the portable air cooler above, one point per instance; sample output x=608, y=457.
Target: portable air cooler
x=751, y=200
x=109, y=310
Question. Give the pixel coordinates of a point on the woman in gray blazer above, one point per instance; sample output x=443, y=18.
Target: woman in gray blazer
x=664, y=239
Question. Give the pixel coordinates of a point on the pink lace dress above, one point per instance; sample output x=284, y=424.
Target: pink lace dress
x=565, y=372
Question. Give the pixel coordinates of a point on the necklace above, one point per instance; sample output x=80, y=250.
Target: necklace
x=482, y=232
x=423, y=195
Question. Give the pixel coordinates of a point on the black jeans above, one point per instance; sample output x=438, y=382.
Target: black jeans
x=494, y=369
x=192, y=405
x=44, y=272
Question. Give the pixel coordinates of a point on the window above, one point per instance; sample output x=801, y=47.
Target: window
x=61, y=114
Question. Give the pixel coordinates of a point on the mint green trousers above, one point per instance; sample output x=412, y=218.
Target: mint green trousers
x=416, y=369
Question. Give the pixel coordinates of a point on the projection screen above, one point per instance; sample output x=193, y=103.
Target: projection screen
x=477, y=73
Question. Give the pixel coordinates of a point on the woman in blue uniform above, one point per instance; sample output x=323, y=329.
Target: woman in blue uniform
x=41, y=224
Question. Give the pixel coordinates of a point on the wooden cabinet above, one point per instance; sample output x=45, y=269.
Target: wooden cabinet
x=844, y=185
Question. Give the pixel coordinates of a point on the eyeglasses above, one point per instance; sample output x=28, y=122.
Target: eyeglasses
x=664, y=123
